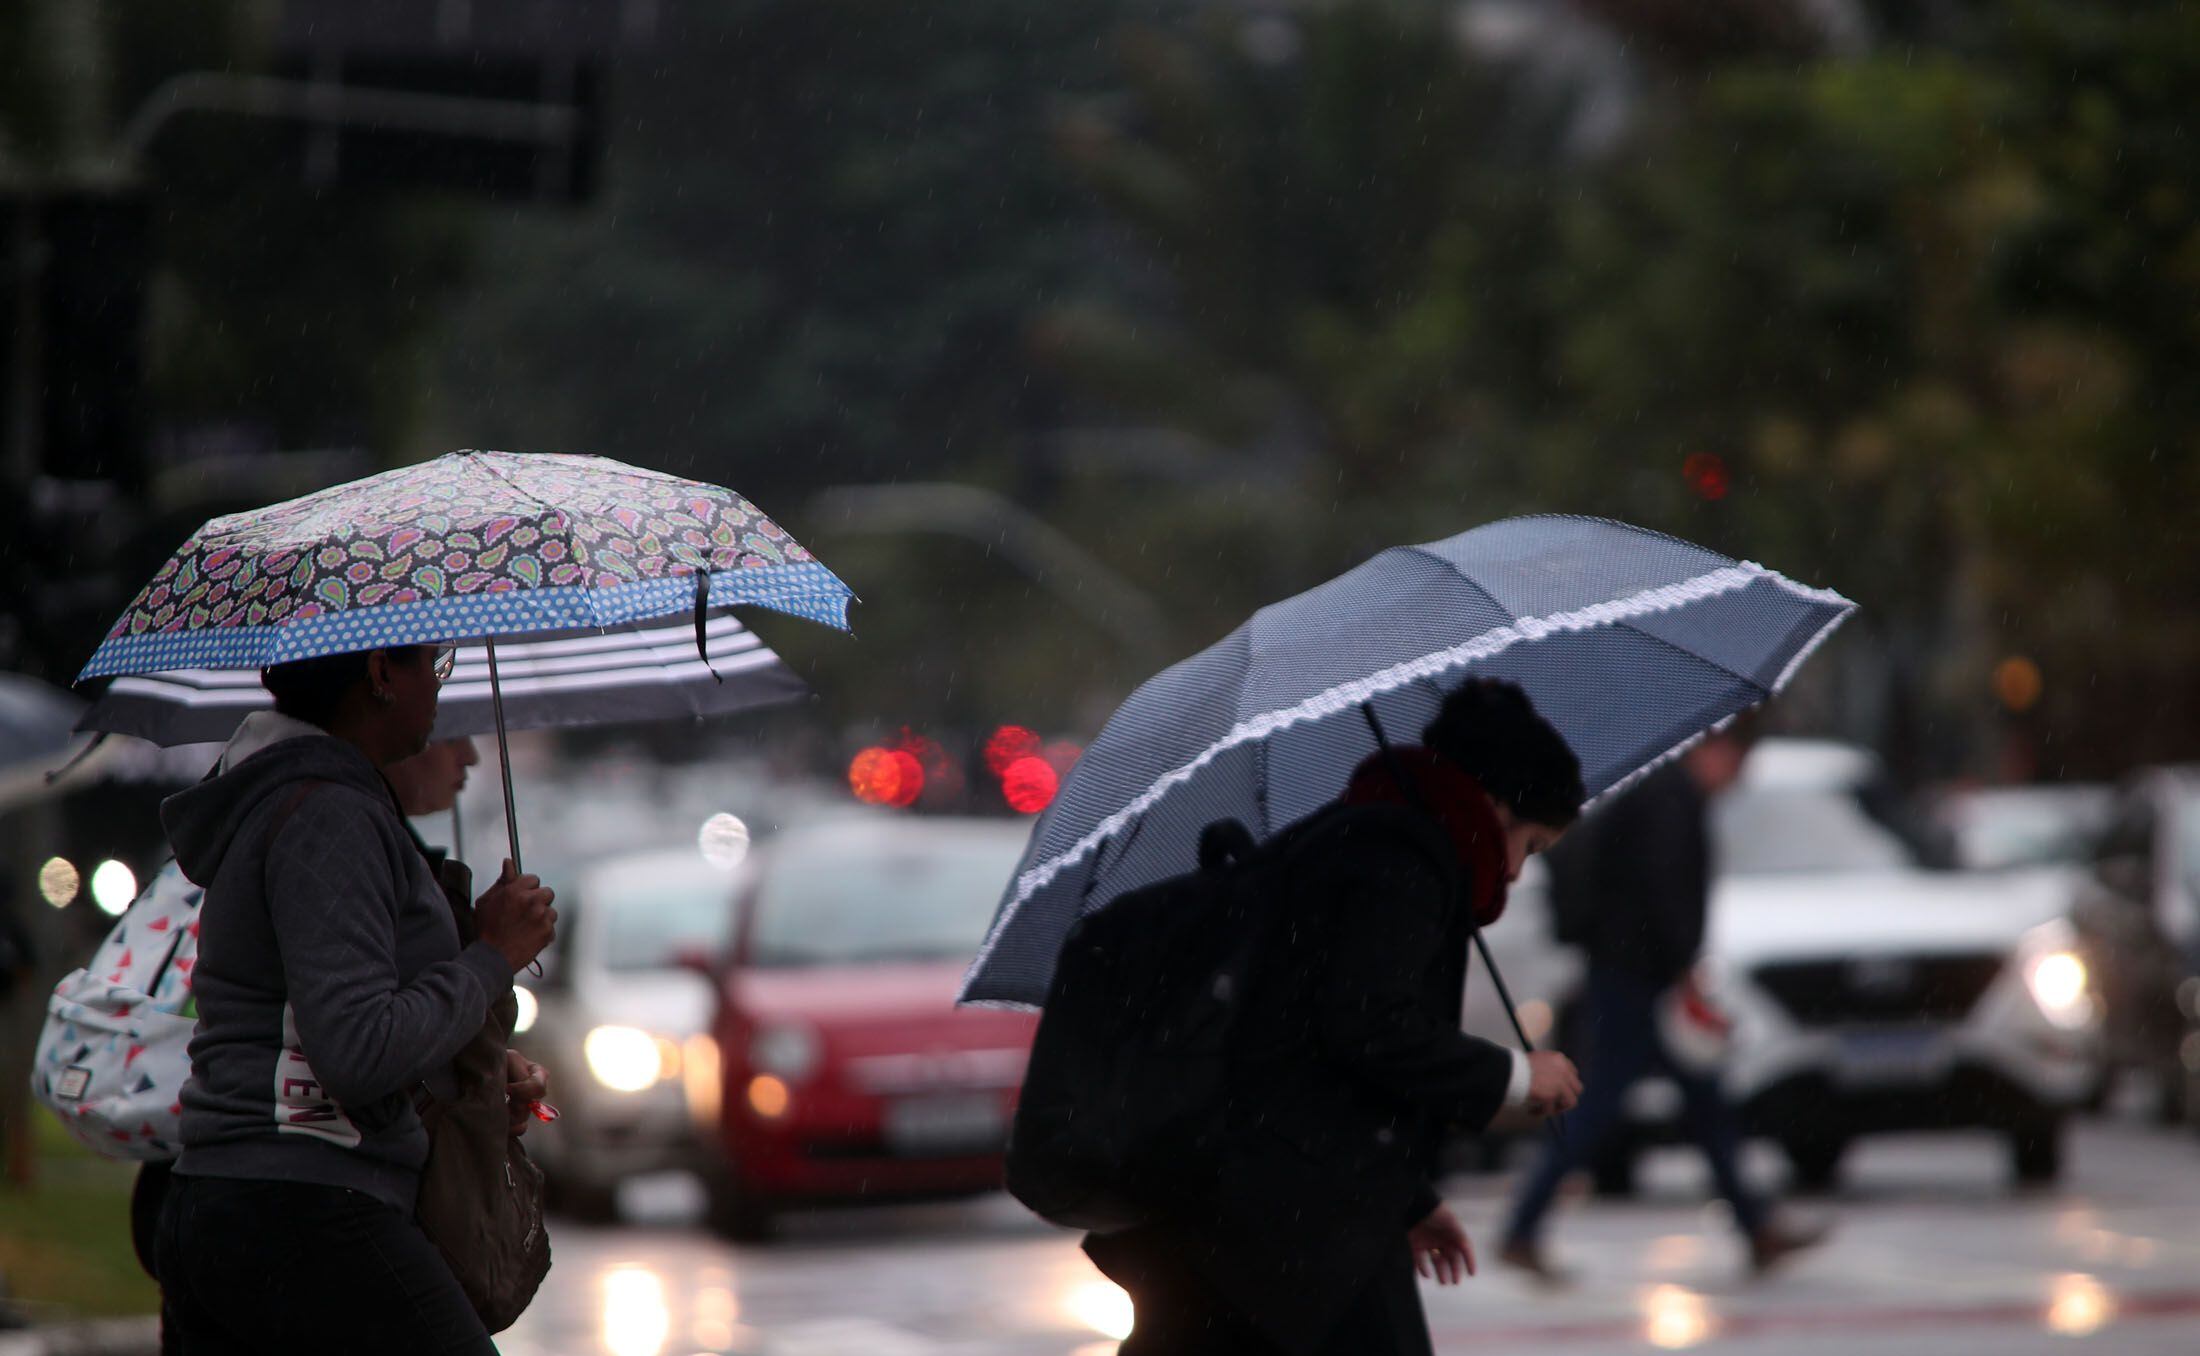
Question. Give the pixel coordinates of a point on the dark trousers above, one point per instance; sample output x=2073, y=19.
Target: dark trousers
x=1623, y=1049
x=285, y=1267
x=1177, y=1315
x=147, y=1198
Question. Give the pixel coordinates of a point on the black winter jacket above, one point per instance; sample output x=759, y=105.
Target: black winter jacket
x=1353, y=1070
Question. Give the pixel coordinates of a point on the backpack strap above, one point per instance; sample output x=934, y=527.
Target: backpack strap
x=1223, y=844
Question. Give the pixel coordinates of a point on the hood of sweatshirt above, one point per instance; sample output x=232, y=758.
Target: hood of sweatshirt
x=203, y=822
x=258, y=730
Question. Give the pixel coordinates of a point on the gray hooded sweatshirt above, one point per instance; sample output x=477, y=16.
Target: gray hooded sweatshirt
x=330, y=979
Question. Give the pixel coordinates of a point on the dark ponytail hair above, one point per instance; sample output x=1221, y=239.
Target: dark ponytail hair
x=1490, y=729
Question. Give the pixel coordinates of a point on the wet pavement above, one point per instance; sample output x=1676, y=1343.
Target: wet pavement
x=1934, y=1254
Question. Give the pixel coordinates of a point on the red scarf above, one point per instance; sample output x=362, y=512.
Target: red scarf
x=1457, y=801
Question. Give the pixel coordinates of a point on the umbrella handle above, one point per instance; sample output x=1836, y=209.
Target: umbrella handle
x=504, y=765
x=702, y=624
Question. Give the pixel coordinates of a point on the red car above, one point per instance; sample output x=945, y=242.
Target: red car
x=838, y=1069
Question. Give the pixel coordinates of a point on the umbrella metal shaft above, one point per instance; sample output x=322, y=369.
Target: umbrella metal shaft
x=504, y=755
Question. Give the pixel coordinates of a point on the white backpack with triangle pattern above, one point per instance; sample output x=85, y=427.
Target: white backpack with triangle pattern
x=113, y=1054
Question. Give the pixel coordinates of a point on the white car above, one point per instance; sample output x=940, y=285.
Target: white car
x=615, y=1014
x=1872, y=994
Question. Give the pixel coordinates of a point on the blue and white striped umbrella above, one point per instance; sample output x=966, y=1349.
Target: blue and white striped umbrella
x=1632, y=643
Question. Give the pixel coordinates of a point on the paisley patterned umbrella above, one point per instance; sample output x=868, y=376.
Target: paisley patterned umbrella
x=473, y=545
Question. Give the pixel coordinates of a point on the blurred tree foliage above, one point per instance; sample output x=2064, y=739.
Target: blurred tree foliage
x=823, y=226
x=824, y=229
x=1238, y=294
x=292, y=313
x=1932, y=308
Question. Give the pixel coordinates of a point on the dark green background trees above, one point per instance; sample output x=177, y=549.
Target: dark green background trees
x=1930, y=307
x=1233, y=295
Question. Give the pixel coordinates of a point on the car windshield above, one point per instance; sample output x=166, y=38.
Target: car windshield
x=1785, y=830
x=1995, y=832
x=647, y=921
x=862, y=902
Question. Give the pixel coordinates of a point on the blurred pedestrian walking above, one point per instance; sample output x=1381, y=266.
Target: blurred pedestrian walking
x=1354, y=1070
x=1639, y=879
x=331, y=985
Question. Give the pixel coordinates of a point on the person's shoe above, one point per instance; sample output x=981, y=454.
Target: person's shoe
x=1528, y=1257
x=1775, y=1243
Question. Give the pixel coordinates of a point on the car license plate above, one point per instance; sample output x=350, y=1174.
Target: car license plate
x=946, y=1126
x=1899, y=1056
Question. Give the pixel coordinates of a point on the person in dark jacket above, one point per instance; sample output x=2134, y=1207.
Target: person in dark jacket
x=331, y=988
x=425, y=784
x=1643, y=867
x=1355, y=1068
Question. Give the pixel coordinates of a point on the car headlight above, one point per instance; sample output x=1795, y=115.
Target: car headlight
x=624, y=1058
x=2060, y=985
x=787, y=1050
x=529, y=1009
x=703, y=1082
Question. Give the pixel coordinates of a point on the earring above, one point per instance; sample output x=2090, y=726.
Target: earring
x=385, y=696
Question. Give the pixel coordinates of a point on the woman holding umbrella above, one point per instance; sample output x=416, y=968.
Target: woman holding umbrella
x=331, y=983
x=333, y=976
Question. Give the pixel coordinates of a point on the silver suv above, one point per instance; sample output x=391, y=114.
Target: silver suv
x=1871, y=993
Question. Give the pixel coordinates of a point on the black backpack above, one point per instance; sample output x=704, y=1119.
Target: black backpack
x=1120, y=1104
x=1123, y=1109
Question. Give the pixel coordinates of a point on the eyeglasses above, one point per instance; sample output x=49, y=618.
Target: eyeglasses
x=446, y=659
